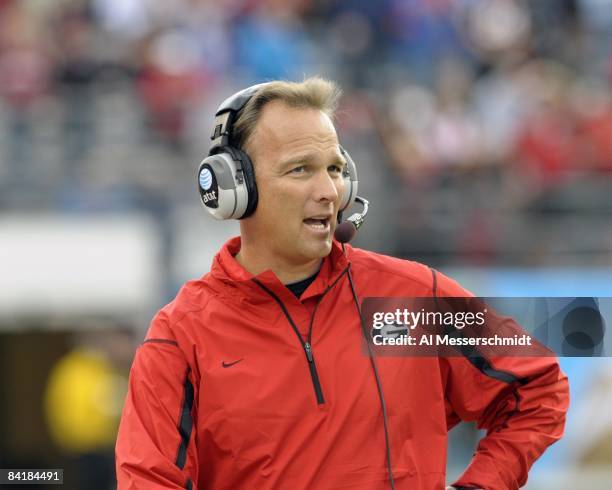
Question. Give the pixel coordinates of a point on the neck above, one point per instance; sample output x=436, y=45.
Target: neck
x=256, y=261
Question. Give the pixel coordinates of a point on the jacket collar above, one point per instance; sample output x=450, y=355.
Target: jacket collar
x=234, y=279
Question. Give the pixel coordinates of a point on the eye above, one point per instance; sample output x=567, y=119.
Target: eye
x=298, y=169
x=336, y=168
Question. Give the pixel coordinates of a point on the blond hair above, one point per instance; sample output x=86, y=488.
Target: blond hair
x=314, y=92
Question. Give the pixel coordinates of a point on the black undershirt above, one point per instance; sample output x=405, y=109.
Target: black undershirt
x=299, y=287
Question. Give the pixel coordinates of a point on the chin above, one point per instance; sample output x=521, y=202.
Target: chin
x=317, y=250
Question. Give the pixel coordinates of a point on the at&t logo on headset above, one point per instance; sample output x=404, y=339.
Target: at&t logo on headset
x=208, y=188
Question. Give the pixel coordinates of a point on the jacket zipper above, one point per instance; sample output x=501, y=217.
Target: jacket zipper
x=307, y=346
x=313, y=373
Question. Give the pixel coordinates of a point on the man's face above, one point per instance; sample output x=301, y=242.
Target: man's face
x=298, y=170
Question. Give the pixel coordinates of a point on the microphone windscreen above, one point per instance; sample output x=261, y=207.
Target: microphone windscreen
x=345, y=232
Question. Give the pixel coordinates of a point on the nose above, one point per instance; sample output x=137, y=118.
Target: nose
x=327, y=188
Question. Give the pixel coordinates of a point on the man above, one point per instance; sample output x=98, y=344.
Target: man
x=254, y=377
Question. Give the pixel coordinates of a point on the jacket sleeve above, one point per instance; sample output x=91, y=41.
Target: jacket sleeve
x=521, y=402
x=156, y=441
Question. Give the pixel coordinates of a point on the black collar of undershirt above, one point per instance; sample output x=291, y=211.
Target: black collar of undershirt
x=299, y=287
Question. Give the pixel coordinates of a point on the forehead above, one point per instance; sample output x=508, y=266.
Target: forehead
x=282, y=130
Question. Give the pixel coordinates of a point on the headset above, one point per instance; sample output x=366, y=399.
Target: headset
x=226, y=177
x=228, y=190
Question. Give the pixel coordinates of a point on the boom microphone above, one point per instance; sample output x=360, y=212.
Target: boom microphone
x=346, y=230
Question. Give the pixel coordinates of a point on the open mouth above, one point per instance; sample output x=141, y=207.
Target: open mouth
x=317, y=223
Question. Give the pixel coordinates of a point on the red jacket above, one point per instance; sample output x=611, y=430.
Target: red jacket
x=223, y=396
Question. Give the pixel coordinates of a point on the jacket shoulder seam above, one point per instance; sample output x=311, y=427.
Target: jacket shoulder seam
x=175, y=321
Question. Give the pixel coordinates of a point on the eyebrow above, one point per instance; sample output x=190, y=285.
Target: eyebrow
x=309, y=157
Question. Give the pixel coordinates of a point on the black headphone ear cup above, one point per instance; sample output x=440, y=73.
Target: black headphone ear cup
x=248, y=173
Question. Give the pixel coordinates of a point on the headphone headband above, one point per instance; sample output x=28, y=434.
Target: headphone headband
x=227, y=114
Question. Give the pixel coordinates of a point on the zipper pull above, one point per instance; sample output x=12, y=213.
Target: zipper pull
x=308, y=349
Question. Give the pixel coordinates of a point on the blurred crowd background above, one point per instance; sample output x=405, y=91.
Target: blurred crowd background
x=482, y=130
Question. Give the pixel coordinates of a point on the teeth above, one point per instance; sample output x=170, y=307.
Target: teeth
x=319, y=224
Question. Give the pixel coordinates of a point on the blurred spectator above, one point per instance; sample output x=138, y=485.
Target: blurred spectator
x=270, y=41
x=593, y=106
x=548, y=149
x=455, y=134
x=76, y=71
x=126, y=19
x=490, y=39
x=422, y=34
x=83, y=403
x=501, y=100
x=24, y=79
x=558, y=31
x=169, y=82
